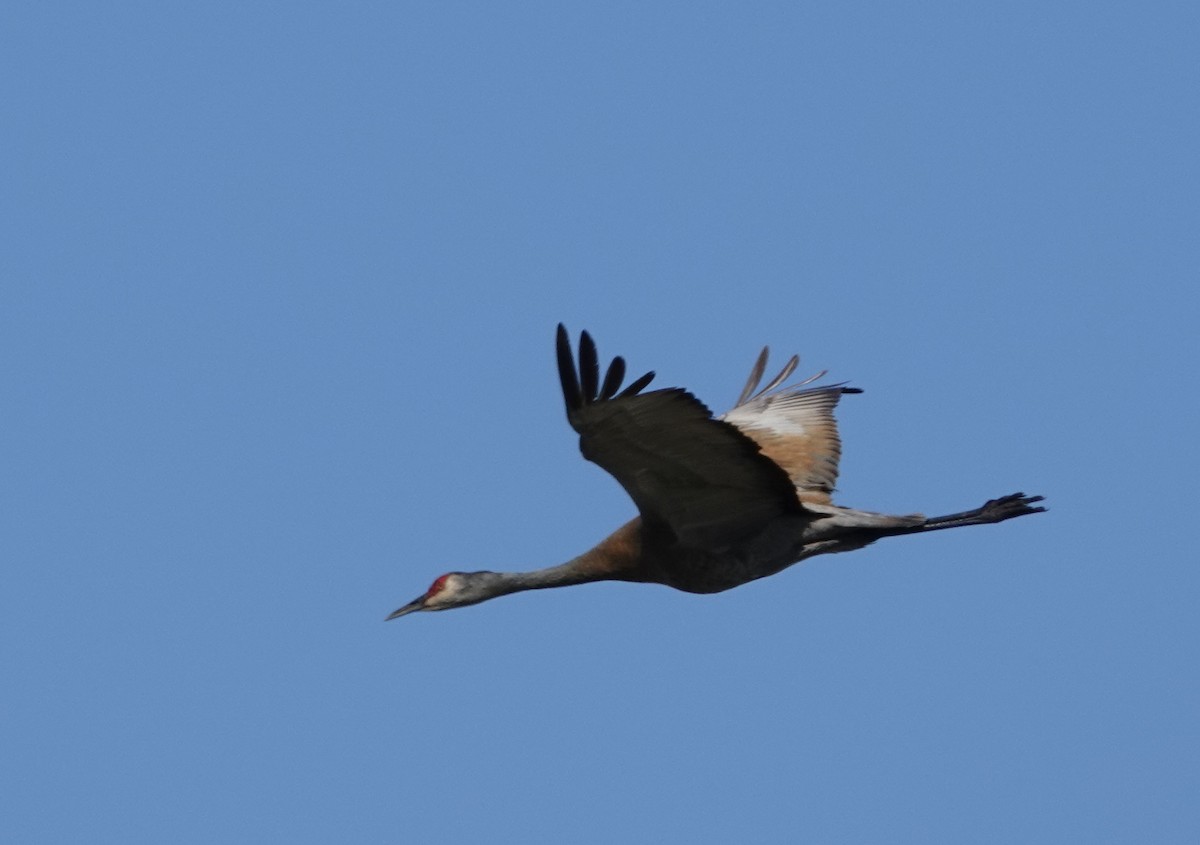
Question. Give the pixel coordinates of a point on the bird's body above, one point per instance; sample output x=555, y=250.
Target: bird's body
x=722, y=501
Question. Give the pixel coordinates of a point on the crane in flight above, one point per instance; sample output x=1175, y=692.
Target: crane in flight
x=721, y=501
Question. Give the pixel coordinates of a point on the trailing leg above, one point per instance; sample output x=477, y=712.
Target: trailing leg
x=994, y=510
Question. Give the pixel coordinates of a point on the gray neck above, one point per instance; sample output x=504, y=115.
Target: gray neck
x=576, y=571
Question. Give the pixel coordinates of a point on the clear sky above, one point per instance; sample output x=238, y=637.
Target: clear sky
x=279, y=286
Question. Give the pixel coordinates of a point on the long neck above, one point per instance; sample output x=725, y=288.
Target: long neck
x=616, y=558
x=574, y=571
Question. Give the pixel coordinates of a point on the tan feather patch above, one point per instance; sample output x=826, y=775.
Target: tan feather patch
x=796, y=430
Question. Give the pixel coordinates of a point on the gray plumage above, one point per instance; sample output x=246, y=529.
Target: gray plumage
x=721, y=501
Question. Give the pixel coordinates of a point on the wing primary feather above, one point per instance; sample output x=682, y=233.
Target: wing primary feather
x=756, y=373
x=589, y=368
x=613, y=379
x=636, y=386
x=809, y=380
x=566, y=371
x=788, y=369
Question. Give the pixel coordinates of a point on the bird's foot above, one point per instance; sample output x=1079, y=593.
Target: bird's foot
x=1006, y=507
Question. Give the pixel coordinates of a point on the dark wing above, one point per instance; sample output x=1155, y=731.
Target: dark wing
x=696, y=476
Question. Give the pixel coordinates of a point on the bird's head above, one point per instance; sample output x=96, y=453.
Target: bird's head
x=454, y=589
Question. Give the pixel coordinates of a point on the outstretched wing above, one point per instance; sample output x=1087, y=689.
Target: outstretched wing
x=687, y=472
x=794, y=427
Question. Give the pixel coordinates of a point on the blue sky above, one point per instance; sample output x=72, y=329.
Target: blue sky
x=279, y=286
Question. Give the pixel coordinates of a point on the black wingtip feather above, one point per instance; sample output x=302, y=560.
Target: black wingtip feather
x=566, y=371
x=582, y=386
x=636, y=386
x=589, y=368
x=613, y=379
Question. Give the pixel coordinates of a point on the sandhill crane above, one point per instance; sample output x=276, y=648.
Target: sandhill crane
x=722, y=501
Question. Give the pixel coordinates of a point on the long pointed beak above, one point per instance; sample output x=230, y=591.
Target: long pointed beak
x=415, y=604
